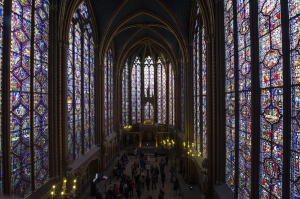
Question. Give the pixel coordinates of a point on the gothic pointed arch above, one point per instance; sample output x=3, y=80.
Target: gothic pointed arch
x=80, y=84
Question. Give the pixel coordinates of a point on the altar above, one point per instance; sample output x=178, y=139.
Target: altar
x=149, y=132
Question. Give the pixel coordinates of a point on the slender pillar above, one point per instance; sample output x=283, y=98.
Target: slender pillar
x=140, y=139
x=156, y=143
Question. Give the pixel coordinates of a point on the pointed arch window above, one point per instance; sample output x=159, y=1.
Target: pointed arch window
x=136, y=85
x=182, y=93
x=125, y=94
x=148, y=77
x=108, y=92
x=199, y=88
x=157, y=89
x=171, y=96
x=80, y=84
x=161, y=92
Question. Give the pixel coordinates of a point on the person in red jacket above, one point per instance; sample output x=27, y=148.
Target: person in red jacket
x=116, y=190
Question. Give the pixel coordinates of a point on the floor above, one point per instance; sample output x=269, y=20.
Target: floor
x=185, y=191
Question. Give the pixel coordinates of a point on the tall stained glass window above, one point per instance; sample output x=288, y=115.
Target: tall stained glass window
x=171, y=96
x=80, y=84
x=148, y=77
x=244, y=93
x=28, y=95
x=294, y=24
x=157, y=87
x=182, y=94
x=229, y=94
x=199, y=87
x=271, y=84
x=136, y=81
x=203, y=91
x=1, y=49
x=125, y=95
x=275, y=113
x=108, y=92
x=161, y=92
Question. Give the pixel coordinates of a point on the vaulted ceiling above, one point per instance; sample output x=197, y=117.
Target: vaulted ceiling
x=132, y=25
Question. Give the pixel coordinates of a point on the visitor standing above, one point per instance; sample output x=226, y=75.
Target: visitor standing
x=163, y=178
x=176, y=186
x=148, y=182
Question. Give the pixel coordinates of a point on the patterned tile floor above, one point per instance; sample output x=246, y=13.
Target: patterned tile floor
x=168, y=188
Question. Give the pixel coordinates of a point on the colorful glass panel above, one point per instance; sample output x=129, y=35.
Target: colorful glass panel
x=77, y=88
x=1, y=47
x=80, y=85
x=171, y=96
x=108, y=87
x=164, y=94
x=105, y=93
x=203, y=82
x=139, y=92
x=136, y=91
x=92, y=91
x=83, y=10
x=149, y=111
x=40, y=82
x=229, y=94
x=70, y=94
x=125, y=94
x=294, y=24
x=148, y=77
x=197, y=86
x=182, y=95
x=20, y=98
x=161, y=92
x=86, y=90
x=244, y=82
x=271, y=82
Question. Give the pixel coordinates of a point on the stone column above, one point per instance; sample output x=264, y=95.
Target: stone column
x=155, y=137
x=140, y=139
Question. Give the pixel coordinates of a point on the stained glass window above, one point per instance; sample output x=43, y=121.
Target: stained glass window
x=1, y=47
x=272, y=142
x=149, y=111
x=203, y=84
x=92, y=89
x=21, y=75
x=80, y=84
x=161, y=92
x=171, y=96
x=199, y=88
x=294, y=24
x=40, y=82
x=182, y=79
x=271, y=82
x=244, y=82
x=157, y=88
x=229, y=94
x=108, y=92
x=136, y=81
x=148, y=77
x=197, y=85
x=125, y=94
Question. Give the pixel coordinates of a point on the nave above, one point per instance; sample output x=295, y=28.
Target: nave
x=184, y=191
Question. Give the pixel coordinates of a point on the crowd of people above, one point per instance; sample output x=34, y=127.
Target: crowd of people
x=144, y=175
